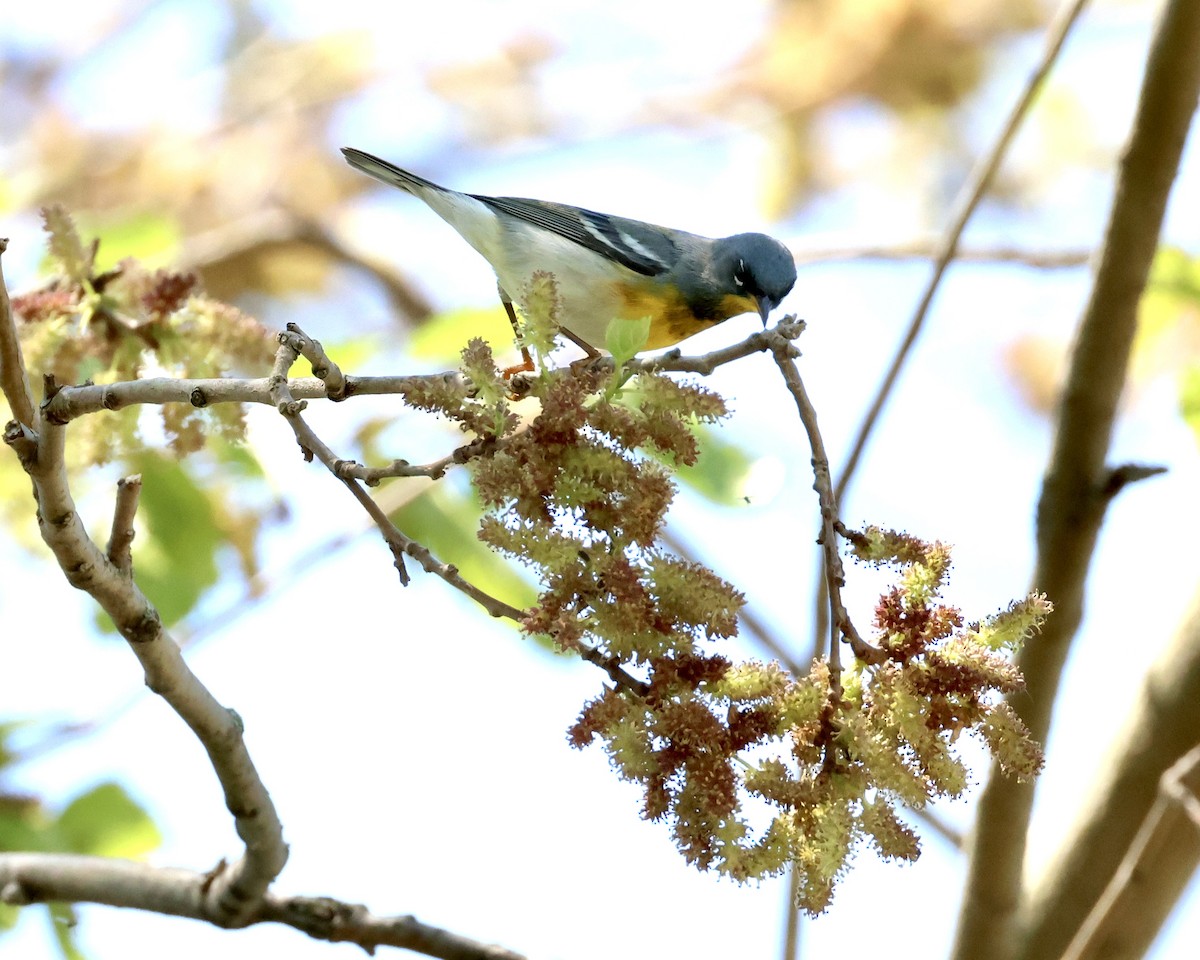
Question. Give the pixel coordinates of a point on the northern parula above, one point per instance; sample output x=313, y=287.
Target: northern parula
x=607, y=267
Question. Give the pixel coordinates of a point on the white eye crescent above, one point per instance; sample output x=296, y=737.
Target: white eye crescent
x=740, y=274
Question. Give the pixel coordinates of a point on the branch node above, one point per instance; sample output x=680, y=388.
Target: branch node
x=14, y=893
x=1119, y=478
x=198, y=398
x=146, y=629
x=23, y=441
x=120, y=541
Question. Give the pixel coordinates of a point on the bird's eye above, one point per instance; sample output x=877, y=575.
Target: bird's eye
x=739, y=275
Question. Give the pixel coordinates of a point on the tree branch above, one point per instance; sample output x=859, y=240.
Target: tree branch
x=1163, y=726
x=841, y=625
x=931, y=250
x=946, y=250
x=120, y=541
x=291, y=347
x=42, y=877
x=1155, y=871
x=968, y=201
x=1073, y=498
x=13, y=379
x=72, y=402
x=232, y=891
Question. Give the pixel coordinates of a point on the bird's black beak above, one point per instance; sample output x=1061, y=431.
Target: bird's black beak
x=765, y=306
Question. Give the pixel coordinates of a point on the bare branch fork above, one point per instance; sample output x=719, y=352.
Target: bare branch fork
x=27, y=878
x=232, y=893
x=229, y=895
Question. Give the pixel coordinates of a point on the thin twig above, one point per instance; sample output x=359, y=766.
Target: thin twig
x=1163, y=855
x=72, y=878
x=13, y=379
x=968, y=200
x=324, y=369
x=930, y=250
x=291, y=348
x=840, y=623
x=72, y=402
x=371, y=476
x=793, y=918
x=120, y=541
x=673, y=361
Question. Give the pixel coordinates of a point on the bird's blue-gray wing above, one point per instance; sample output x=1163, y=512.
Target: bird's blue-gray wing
x=640, y=247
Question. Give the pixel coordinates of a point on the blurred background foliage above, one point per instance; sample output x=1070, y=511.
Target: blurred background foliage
x=203, y=137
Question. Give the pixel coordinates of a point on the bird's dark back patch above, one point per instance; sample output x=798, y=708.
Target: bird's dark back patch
x=611, y=237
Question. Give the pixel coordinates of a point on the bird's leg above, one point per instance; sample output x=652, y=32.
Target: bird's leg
x=526, y=366
x=592, y=352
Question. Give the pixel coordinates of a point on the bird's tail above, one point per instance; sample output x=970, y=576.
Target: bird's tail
x=386, y=172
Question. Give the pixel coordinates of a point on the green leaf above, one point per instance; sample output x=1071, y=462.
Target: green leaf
x=150, y=238
x=625, y=339
x=8, y=916
x=24, y=825
x=721, y=472
x=106, y=822
x=7, y=755
x=238, y=459
x=443, y=337
x=1189, y=398
x=352, y=353
x=1171, y=300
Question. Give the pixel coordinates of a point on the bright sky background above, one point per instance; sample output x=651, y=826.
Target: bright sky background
x=414, y=747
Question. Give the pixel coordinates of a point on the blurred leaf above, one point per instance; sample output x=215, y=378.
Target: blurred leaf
x=176, y=559
x=8, y=916
x=1036, y=364
x=64, y=922
x=24, y=824
x=1189, y=398
x=721, y=472
x=282, y=268
x=151, y=238
x=446, y=522
x=237, y=459
x=351, y=354
x=443, y=337
x=6, y=728
x=106, y=822
x=1168, y=334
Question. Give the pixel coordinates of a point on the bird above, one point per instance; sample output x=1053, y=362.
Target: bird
x=606, y=267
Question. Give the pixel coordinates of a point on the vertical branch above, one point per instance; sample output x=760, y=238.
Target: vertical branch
x=1077, y=488
x=120, y=541
x=783, y=351
x=968, y=201
x=969, y=198
x=13, y=380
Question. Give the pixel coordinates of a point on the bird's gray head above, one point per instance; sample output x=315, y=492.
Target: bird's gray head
x=756, y=266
